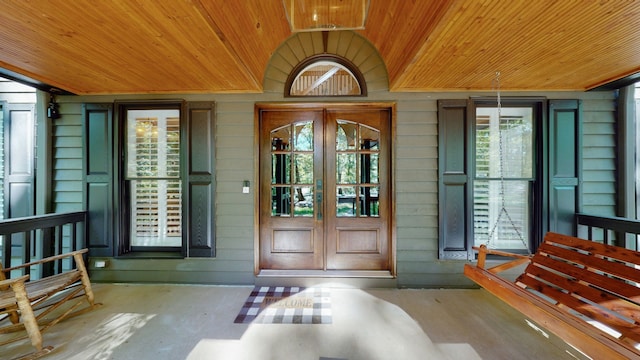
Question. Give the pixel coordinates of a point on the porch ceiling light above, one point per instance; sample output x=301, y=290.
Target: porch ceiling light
x=325, y=15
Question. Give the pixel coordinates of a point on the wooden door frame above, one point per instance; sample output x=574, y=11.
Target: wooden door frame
x=343, y=106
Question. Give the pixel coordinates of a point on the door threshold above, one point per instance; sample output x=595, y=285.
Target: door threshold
x=377, y=274
x=362, y=279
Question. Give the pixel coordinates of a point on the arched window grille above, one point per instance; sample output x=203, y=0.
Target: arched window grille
x=325, y=75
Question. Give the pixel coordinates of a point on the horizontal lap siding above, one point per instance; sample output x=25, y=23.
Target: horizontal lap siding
x=235, y=164
x=599, y=157
x=416, y=184
x=16, y=93
x=67, y=159
x=416, y=188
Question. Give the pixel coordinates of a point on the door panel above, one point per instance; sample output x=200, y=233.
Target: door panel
x=324, y=189
x=291, y=229
x=357, y=196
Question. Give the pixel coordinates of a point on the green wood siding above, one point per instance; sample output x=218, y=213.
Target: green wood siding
x=415, y=170
x=67, y=159
x=599, y=157
x=13, y=92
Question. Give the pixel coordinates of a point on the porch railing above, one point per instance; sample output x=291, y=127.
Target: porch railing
x=617, y=231
x=35, y=237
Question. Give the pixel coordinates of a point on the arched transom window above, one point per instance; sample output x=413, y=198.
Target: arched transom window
x=325, y=76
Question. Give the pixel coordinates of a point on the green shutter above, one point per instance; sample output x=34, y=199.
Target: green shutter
x=564, y=165
x=19, y=169
x=455, y=240
x=199, y=189
x=19, y=135
x=98, y=174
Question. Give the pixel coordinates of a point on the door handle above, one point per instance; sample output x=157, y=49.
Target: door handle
x=318, y=199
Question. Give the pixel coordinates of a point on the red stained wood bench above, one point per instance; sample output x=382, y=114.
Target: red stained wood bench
x=24, y=303
x=570, y=285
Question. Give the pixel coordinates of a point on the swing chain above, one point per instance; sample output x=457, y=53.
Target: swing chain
x=503, y=209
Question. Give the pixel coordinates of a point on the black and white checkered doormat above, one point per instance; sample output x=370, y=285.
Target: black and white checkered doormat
x=286, y=305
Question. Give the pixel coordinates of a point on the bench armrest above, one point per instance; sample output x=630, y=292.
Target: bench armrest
x=45, y=260
x=4, y=284
x=483, y=251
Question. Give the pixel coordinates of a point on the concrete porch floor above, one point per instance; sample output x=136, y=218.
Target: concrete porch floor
x=139, y=322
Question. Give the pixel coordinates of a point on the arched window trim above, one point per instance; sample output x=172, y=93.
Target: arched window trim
x=320, y=58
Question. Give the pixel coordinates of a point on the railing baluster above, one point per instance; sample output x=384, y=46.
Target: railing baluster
x=59, y=238
x=614, y=229
x=42, y=234
x=26, y=254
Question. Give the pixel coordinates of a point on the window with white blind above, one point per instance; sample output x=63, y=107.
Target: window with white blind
x=153, y=175
x=503, y=183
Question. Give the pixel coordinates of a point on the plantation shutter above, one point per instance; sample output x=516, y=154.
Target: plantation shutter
x=153, y=169
x=564, y=135
x=99, y=188
x=200, y=180
x=455, y=241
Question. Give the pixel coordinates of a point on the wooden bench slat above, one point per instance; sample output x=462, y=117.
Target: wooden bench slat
x=617, y=269
x=45, y=286
x=566, y=302
x=615, y=252
x=625, y=308
x=615, y=286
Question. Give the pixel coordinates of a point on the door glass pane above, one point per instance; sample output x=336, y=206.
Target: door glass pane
x=304, y=136
x=280, y=201
x=369, y=165
x=291, y=167
x=503, y=177
x=280, y=166
x=303, y=168
x=346, y=135
x=303, y=201
x=346, y=168
x=357, y=165
x=369, y=138
x=346, y=201
x=153, y=172
x=281, y=138
x=369, y=201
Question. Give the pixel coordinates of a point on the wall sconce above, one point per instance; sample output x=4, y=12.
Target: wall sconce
x=52, y=109
x=324, y=15
x=245, y=187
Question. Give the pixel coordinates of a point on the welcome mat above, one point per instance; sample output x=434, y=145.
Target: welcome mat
x=286, y=305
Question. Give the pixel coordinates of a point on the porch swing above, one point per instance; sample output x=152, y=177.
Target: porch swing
x=582, y=291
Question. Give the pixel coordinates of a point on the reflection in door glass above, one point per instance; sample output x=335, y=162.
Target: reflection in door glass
x=280, y=169
x=346, y=201
x=303, y=136
x=369, y=138
x=357, y=170
x=346, y=136
x=303, y=168
x=369, y=165
x=280, y=201
x=369, y=201
x=292, y=170
x=346, y=168
x=281, y=138
x=303, y=202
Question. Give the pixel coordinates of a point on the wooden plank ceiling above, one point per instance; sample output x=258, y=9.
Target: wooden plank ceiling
x=222, y=46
